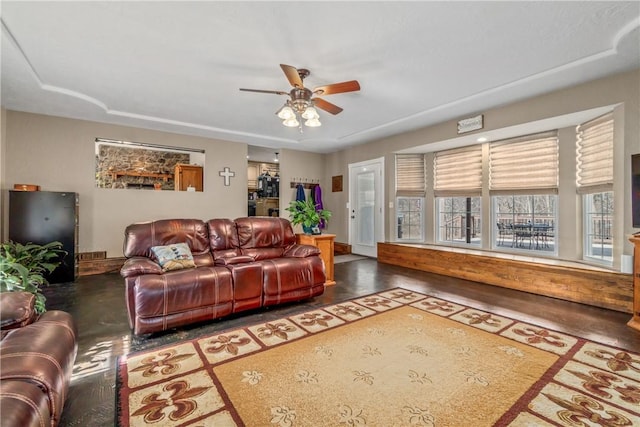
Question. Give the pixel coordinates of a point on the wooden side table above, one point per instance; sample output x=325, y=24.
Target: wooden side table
x=324, y=242
x=635, y=320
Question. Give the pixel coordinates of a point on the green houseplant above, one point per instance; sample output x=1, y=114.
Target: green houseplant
x=23, y=268
x=304, y=212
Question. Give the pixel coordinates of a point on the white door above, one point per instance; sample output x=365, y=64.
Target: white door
x=366, y=199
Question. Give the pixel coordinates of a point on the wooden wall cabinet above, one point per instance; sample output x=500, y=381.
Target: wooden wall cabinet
x=188, y=176
x=635, y=320
x=325, y=243
x=253, y=170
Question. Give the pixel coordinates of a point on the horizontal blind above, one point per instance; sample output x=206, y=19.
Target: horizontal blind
x=524, y=165
x=594, y=169
x=410, y=176
x=458, y=172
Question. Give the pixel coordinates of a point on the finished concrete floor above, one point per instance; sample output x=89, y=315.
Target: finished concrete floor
x=98, y=306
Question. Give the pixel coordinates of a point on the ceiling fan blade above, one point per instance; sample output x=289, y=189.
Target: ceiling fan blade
x=277, y=92
x=292, y=75
x=326, y=106
x=350, y=86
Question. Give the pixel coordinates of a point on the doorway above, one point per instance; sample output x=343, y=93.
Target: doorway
x=366, y=201
x=263, y=181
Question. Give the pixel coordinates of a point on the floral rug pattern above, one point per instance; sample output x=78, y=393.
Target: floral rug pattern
x=395, y=358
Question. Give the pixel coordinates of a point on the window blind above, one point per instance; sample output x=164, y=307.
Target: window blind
x=458, y=172
x=410, y=176
x=524, y=165
x=594, y=167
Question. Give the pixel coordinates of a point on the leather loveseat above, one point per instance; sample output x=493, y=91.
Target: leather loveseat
x=36, y=361
x=239, y=265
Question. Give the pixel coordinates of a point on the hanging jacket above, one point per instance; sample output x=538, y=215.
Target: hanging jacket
x=317, y=197
x=300, y=193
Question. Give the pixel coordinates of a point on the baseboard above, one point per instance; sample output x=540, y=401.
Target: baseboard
x=341, y=248
x=90, y=267
x=88, y=256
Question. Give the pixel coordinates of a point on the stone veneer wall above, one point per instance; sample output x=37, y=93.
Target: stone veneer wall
x=111, y=158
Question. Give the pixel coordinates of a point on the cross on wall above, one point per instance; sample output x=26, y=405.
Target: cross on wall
x=227, y=174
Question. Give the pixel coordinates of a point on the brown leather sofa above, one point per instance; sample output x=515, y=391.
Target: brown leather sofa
x=36, y=361
x=240, y=264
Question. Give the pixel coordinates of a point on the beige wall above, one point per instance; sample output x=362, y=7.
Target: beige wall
x=3, y=144
x=619, y=89
x=58, y=154
x=308, y=166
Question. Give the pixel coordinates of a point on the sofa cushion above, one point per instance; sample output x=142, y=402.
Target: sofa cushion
x=42, y=353
x=23, y=404
x=176, y=256
x=302, y=251
x=233, y=260
x=264, y=237
x=181, y=291
x=285, y=275
x=137, y=265
x=17, y=309
x=141, y=237
x=223, y=238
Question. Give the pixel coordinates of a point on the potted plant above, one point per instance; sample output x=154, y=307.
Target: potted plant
x=23, y=268
x=304, y=212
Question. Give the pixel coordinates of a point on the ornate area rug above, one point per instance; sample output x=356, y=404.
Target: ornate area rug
x=396, y=358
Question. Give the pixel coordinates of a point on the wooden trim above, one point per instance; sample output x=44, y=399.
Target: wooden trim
x=100, y=266
x=635, y=319
x=611, y=290
x=88, y=256
x=341, y=248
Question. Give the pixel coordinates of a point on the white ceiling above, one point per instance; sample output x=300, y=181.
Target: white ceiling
x=177, y=66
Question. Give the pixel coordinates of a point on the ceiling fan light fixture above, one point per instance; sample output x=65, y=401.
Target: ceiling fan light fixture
x=313, y=123
x=291, y=122
x=286, y=113
x=310, y=113
x=300, y=107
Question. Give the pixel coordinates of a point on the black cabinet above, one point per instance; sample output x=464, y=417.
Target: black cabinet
x=46, y=216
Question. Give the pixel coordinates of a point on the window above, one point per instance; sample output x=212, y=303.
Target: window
x=594, y=181
x=598, y=216
x=409, y=214
x=410, y=191
x=523, y=182
x=458, y=187
x=525, y=222
x=459, y=220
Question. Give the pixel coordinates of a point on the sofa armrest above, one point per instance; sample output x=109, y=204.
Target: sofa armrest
x=301, y=251
x=232, y=260
x=17, y=309
x=136, y=266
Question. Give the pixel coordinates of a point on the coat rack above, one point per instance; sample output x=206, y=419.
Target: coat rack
x=307, y=183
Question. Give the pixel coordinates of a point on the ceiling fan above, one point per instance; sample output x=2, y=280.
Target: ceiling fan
x=302, y=100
